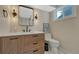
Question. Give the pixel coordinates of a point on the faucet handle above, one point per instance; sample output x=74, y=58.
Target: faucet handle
x=23, y=30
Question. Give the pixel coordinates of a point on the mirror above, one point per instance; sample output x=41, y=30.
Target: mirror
x=26, y=15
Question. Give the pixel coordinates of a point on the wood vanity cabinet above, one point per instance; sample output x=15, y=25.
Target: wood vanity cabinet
x=22, y=44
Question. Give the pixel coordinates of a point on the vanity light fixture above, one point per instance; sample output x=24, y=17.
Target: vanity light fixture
x=5, y=14
x=36, y=17
x=14, y=13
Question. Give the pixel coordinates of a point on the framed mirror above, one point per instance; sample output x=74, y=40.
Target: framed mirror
x=26, y=15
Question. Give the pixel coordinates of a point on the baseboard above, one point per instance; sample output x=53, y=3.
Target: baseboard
x=64, y=51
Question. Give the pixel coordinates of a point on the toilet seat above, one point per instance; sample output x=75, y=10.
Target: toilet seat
x=52, y=40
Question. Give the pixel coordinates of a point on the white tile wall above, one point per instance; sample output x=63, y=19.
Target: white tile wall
x=10, y=24
x=4, y=21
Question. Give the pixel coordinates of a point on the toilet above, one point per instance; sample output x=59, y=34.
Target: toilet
x=53, y=43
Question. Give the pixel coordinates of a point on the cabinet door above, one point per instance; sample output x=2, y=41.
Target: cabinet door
x=27, y=43
x=24, y=44
x=9, y=45
x=20, y=44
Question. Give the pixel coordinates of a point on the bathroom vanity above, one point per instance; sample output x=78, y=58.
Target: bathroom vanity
x=22, y=43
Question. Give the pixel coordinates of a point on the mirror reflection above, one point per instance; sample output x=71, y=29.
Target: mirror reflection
x=26, y=15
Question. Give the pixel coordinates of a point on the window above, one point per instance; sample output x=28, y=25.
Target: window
x=67, y=10
x=59, y=14
x=63, y=12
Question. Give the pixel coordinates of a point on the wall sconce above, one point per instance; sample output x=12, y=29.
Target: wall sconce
x=36, y=17
x=5, y=14
x=14, y=13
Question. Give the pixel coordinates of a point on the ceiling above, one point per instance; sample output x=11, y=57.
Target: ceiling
x=56, y=6
x=46, y=8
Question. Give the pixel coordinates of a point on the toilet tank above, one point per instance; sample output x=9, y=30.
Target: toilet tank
x=47, y=36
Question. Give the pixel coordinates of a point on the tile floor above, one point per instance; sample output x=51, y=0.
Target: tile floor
x=51, y=52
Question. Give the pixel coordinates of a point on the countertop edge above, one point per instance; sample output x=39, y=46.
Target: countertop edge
x=19, y=33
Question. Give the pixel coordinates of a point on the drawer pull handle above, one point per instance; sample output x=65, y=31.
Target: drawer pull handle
x=13, y=38
x=35, y=50
x=35, y=43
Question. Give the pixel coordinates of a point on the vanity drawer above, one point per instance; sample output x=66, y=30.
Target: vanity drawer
x=32, y=40
x=37, y=36
x=38, y=43
x=33, y=45
x=39, y=50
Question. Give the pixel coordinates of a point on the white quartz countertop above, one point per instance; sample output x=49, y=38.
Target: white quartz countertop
x=18, y=33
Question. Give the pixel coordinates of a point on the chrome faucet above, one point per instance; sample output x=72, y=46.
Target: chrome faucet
x=27, y=29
